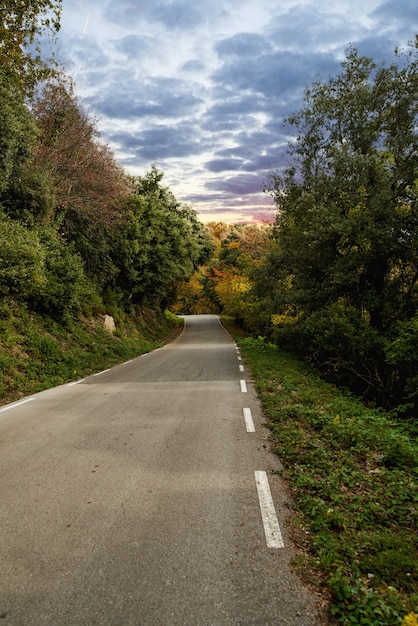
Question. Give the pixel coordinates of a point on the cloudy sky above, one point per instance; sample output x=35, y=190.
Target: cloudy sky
x=200, y=88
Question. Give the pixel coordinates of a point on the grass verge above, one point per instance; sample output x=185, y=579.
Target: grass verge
x=37, y=353
x=352, y=471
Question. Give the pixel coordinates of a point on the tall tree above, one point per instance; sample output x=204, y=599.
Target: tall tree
x=87, y=181
x=348, y=213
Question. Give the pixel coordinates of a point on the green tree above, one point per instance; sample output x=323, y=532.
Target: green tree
x=348, y=212
x=18, y=134
x=157, y=245
x=64, y=291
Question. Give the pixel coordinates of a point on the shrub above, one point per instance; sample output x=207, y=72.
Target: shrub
x=65, y=288
x=22, y=261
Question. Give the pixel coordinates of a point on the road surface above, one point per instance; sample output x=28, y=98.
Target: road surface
x=144, y=495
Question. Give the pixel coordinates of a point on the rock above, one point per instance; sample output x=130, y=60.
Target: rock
x=109, y=323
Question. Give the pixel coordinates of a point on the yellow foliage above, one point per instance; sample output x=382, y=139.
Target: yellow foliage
x=410, y=620
x=283, y=320
x=231, y=290
x=403, y=210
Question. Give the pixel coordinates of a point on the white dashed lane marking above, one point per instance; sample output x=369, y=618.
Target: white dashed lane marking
x=268, y=512
x=249, y=423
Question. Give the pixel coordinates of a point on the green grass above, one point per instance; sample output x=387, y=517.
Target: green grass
x=352, y=471
x=37, y=353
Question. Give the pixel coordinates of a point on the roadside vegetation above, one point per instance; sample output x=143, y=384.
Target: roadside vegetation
x=352, y=471
x=37, y=352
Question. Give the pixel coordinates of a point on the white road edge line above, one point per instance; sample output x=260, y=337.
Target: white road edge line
x=15, y=404
x=249, y=423
x=241, y=368
x=76, y=382
x=243, y=385
x=272, y=530
x=100, y=373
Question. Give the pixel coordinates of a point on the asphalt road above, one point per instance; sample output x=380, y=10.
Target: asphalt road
x=136, y=497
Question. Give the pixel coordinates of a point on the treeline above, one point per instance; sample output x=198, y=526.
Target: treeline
x=335, y=279
x=77, y=235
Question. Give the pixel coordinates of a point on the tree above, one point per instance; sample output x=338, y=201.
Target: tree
x=22, y=260
x=18, y=133
x=87, y=183
x=158, y=245
x=23, y=24
x=86, y=178
x=347, y=224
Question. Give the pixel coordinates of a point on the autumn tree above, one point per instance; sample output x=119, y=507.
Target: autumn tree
x=223, y=284
x=86, y=178
x=23, y=24
x=87, y=183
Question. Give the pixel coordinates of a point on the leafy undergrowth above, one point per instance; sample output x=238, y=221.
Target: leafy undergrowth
x=37, y=353
x=353, y=474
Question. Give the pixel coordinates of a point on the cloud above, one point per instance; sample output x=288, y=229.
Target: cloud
x=159, y=142
x=181, y=14
x=223, y=165
x=133, y=46
x=398, y=15
x=202, y=88
x=79, y=52
x=157, y=97
x=273, y=75
x=178, y=15
x=312, y=29
x=243, y=45
x=242, y=184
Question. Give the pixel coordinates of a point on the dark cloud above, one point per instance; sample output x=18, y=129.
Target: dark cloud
x=193, y=66
x=308, y=28
x=178, y=15
x=273, y=75
x=156, y=97
x=223, y=165
x=243, y=45
x=236, y=106
x=398, y=14
x=160, y=142
x=182, y=14
x=133, y=46
x=242, y=184
x=125, y=12
x=82, y=53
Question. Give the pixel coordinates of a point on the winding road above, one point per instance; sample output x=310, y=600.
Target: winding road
x=144, y=495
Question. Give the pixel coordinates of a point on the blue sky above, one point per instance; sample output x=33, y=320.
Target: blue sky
x=201, y=88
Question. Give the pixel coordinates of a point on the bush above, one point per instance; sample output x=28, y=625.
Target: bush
x=401, y=353
x=65, y=289
x=343, y=345
x=22, y=261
